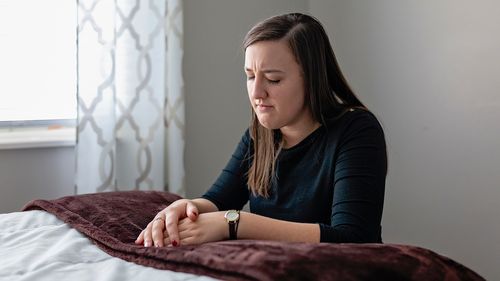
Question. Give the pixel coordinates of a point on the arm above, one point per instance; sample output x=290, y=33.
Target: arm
x=358, y=193
x=228, y=192
x=360, y=172
x=168, y=218
x=252, y=226
x=212, y=227
x=204, y=205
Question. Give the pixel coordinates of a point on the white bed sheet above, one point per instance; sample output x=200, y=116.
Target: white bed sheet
x=35, y=245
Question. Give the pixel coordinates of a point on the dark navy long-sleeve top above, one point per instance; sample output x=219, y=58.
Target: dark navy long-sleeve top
x=335, y=177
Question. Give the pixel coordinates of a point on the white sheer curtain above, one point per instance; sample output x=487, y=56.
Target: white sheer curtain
x=130, y=96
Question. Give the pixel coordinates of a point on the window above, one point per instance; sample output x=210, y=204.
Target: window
x=37, y=61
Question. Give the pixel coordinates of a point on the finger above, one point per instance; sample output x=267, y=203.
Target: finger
x=192, y=211
x=157, y=231
x=166, y=241
x=189, y=241
x=147, y=235
x=189, y=233
x=183, y=229
x=171, y=226
x=140, y=238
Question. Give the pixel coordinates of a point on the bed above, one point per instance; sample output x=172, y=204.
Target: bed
x=91, y=237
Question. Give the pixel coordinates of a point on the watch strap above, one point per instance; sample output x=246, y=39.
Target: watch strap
x=233, y=230
x=233, y=227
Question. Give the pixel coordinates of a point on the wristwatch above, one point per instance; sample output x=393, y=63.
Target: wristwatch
x=232, y=218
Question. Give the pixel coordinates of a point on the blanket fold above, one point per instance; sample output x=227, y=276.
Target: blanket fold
x=113, y=220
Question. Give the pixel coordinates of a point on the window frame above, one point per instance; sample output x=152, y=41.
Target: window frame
x=30, y=133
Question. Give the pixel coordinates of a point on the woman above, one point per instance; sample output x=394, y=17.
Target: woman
x=312, y=163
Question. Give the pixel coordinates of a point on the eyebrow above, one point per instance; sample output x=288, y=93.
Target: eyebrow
x=266, y=70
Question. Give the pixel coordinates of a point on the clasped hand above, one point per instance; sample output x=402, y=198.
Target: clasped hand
x=182, y=224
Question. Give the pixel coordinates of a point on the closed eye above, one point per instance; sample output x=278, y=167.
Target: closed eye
x=273, y=81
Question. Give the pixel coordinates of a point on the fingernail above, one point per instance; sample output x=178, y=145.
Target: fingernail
x=174, y=243
x=147, y=243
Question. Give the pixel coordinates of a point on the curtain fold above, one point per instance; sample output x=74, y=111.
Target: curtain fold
x=129, y=70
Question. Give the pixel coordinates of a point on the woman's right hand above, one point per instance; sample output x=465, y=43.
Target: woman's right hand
x=168, y=219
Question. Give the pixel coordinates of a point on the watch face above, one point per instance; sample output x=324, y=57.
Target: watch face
x=232, y=215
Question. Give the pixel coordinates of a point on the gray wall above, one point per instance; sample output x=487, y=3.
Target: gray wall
x=431, y=71
x=428, y=69
x=26, y=174
x=217, y=107
x=217, y=110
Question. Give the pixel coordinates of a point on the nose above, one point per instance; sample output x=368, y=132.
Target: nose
x=256, y=89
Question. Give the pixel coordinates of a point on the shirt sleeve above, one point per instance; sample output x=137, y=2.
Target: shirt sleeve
x=359, y=183
x=230, y=190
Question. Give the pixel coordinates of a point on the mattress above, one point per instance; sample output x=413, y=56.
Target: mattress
x=36, y=245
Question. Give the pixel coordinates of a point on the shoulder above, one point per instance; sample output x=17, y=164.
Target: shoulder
x=355, y=122
x=353, y=116
x=246, y=138
x=245, y=144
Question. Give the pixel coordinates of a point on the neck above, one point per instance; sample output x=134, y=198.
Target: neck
x=292, y=135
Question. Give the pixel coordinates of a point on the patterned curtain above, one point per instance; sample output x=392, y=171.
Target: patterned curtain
x=130, y=96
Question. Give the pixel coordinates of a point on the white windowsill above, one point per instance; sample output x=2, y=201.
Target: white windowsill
x=40, y=137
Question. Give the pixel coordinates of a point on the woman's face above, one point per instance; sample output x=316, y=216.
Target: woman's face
x=275, y=85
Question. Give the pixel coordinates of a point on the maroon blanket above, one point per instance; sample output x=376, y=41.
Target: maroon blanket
x=113, y=220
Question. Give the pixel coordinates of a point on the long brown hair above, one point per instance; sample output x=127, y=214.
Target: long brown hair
x=328, y=94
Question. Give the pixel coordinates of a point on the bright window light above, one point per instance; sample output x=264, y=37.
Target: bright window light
x=37, y=60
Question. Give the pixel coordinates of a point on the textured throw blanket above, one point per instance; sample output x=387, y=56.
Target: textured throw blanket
x=113, y=220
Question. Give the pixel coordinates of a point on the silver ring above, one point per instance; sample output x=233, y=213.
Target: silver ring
x=159, y=218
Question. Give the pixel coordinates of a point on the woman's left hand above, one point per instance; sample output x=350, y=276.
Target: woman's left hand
x=208, y=227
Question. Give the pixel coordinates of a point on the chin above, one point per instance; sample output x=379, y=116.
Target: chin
x=269, y=125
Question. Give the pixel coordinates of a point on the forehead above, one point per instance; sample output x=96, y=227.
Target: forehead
x=269, y=54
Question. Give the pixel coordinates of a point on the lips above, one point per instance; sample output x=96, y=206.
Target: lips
x=262, y=108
